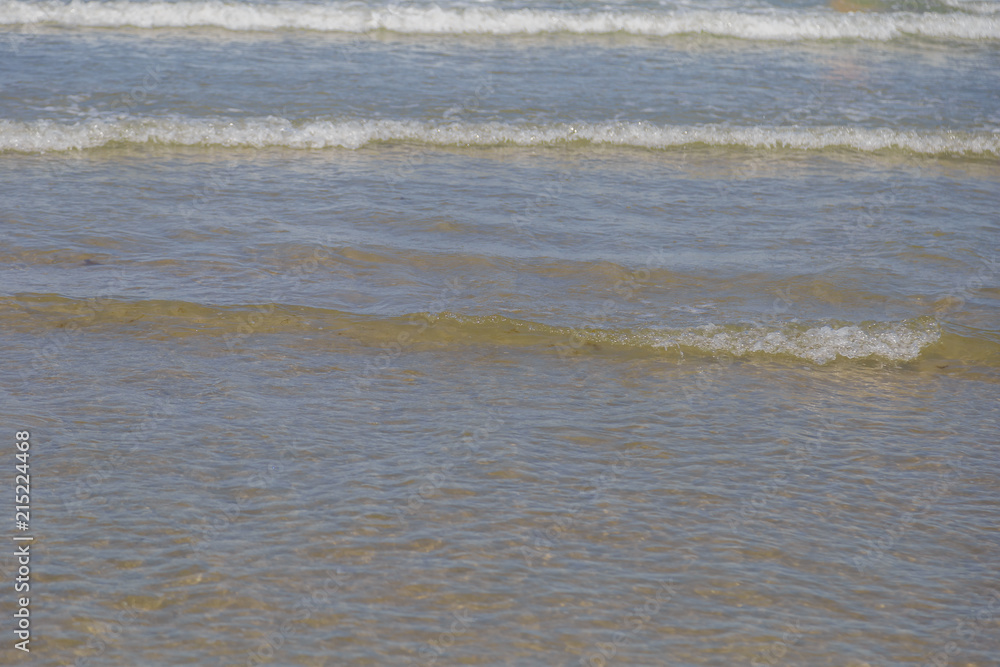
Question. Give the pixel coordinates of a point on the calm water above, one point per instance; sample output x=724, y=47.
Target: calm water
x=496, y=333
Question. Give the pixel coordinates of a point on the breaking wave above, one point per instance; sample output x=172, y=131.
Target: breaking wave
x=433, y=20
x=818, y=343
x=43, y=136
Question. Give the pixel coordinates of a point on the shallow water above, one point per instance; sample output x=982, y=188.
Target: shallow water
x=642, y=333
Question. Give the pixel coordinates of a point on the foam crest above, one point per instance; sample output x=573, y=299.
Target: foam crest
x=887, y=341
x=974, y=6
x=433, y=20
x=42, y=136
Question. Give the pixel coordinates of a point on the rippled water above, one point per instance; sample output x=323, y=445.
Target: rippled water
x=631, y=333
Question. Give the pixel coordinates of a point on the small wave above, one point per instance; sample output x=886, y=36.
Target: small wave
x=43, y=136
x=820, y=343
x=773, y=25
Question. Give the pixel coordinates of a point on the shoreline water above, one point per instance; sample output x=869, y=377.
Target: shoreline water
x=487, y=333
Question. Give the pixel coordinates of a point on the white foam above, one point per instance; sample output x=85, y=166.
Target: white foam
x=759, y=25
x=888, y=341
x=977, y=7
x=42, y=136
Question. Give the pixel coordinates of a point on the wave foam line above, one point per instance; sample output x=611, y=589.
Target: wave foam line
x=47, y=135
x=820, y=345
x=774, y=25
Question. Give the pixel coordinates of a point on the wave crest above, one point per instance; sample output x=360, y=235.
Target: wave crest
x=42, y=136
x=773, y=25
x=819, y=343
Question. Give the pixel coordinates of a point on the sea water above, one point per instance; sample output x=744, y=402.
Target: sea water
x=503, y=333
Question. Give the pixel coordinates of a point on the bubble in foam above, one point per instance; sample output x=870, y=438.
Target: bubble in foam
x=896, y=342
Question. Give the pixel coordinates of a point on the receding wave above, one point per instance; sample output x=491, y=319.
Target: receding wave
x=921, y=339
x=772, y=25
x=43, y=136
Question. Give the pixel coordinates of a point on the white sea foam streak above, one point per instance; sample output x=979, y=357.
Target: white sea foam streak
x=764, y=25
x=46, y=135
